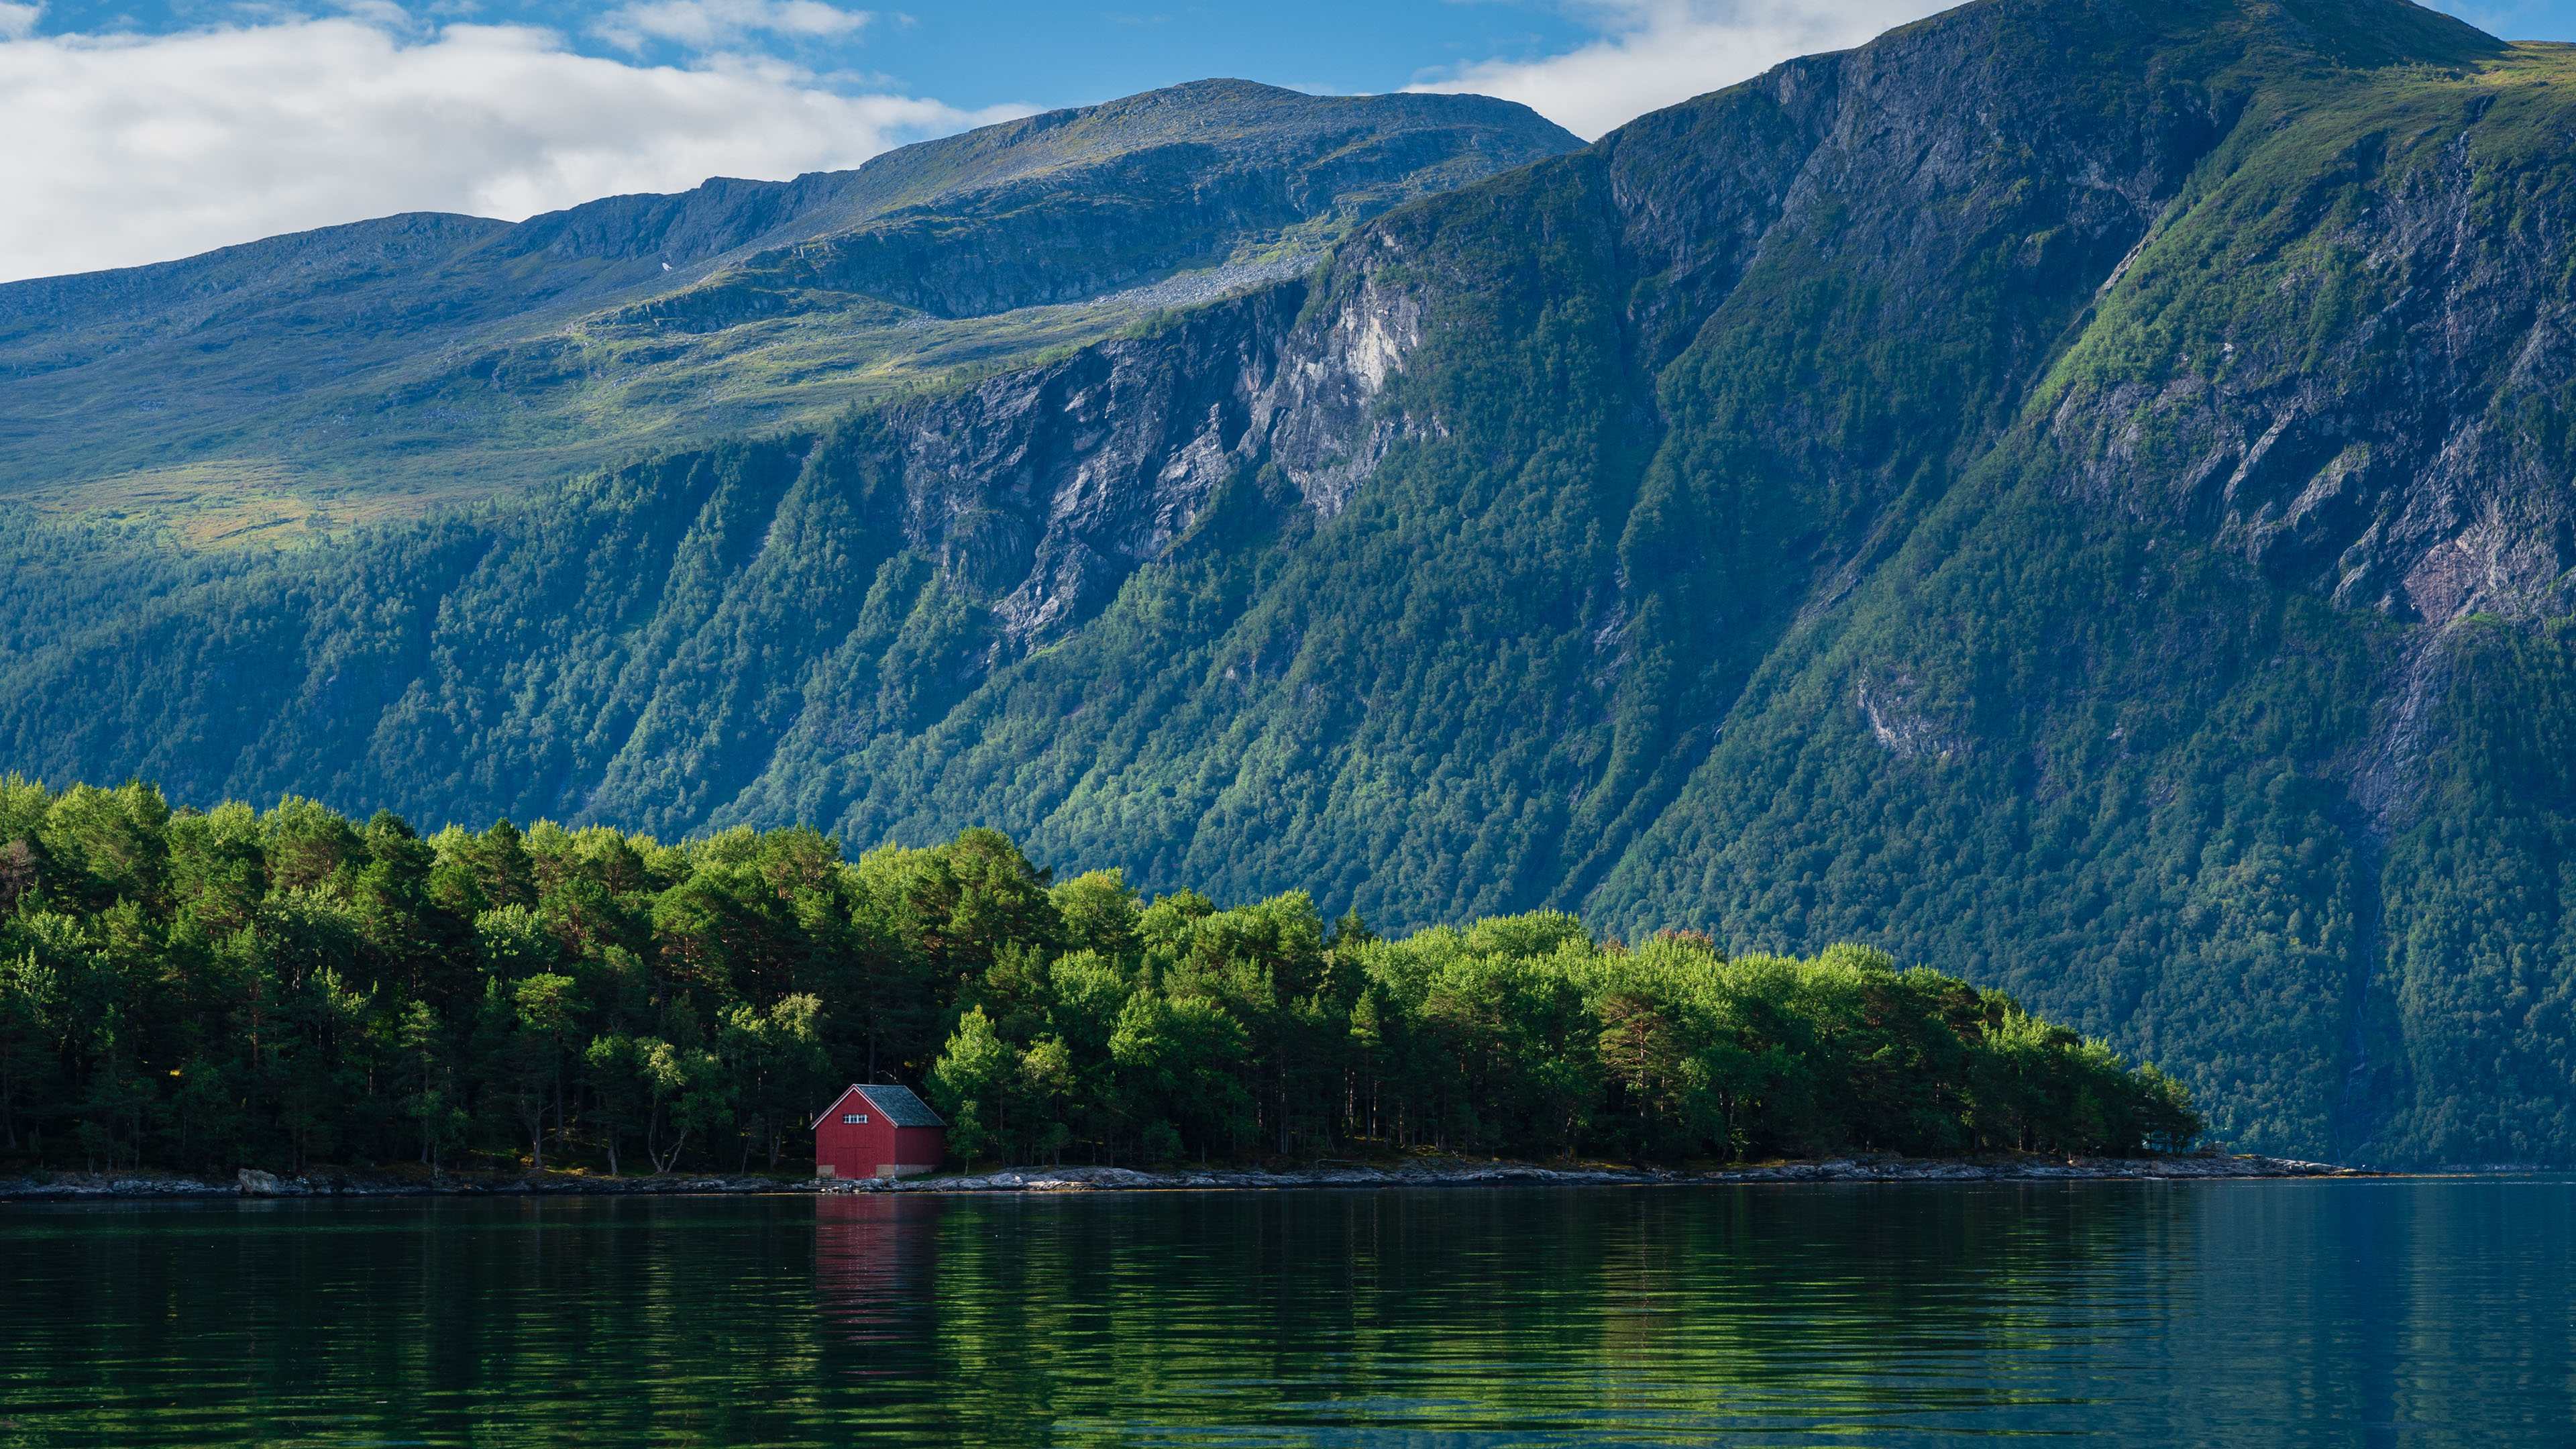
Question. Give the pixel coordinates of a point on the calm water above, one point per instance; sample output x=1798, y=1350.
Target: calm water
x=2432, y=1312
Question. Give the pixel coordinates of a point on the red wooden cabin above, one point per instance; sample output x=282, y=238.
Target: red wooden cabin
x=878, y=1132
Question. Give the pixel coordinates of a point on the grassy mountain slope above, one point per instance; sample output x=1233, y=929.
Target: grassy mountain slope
x=313, y=381
x=2074, y=494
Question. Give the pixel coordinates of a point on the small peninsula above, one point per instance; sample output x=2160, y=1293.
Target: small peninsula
x=291, y=992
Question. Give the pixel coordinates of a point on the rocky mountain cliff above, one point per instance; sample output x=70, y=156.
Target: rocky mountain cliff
x=429, y=356
x=2072, y=494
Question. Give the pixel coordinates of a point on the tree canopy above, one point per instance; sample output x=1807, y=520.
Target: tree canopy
x=287, y=987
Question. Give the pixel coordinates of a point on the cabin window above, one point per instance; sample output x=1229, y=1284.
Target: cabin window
x=854, y=1118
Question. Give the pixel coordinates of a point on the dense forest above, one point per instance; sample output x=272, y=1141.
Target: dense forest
x=205, y=990
x=2058, y=544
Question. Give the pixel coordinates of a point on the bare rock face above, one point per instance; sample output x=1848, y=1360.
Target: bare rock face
x=2352, y=382
x=2382, y=455
x=1041, y=491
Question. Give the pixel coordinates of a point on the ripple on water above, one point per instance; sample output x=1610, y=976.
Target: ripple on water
x=2387, y=1312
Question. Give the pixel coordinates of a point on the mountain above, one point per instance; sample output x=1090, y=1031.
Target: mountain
x=2071, y=493
x=362, y=371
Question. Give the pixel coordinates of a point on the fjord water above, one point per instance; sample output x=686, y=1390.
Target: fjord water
x=2430, y=1311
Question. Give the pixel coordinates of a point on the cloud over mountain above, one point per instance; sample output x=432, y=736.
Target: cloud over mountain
x=1655, y=53
x=148, y=148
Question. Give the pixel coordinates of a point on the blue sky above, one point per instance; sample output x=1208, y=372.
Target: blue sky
x=977, y=53
x=1001, y=52
x=145, y=131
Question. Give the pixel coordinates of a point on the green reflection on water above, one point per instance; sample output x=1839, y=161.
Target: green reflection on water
x=2326, y=1313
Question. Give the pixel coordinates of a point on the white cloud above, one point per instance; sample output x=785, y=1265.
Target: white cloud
x=709, y=24
x=131, y=150
x=18, y=21
x=1654, y=53
x=375, y=12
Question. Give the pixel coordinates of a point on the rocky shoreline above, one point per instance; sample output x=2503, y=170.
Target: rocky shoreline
x=1454, y=1173
x=75, y=1187
x=87, y=1186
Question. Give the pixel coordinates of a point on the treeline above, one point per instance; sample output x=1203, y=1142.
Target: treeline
x=239, y=988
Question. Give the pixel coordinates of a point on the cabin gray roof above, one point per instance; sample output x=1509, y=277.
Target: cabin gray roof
x=901, y=1107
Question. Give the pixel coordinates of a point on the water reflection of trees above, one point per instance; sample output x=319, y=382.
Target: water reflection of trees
x=2241, y=1314
x=1092, y=1317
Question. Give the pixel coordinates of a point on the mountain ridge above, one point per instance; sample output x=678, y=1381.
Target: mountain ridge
x=438, y=356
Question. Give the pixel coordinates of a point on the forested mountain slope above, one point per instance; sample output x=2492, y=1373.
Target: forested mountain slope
x=424, y=356
x=2073, y=494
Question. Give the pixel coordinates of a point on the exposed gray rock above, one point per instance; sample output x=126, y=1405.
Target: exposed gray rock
x=251, y=1182
x=2408, y=490
x=1042, y=490
x=1518, y=1174
x=1434, y=1173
